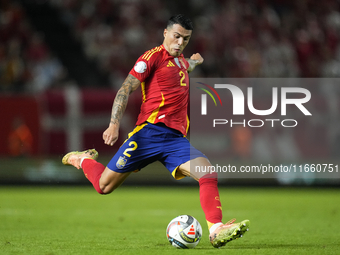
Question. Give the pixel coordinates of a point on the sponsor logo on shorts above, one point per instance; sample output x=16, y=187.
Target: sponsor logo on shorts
x=121, y=162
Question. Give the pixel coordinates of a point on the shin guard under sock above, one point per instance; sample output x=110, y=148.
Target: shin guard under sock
x=210, y=199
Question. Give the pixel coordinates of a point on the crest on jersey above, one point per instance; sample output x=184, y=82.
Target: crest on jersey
x=181, y=60
x=140, y=67
x=121, y=162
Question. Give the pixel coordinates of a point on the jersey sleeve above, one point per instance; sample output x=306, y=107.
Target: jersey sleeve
x=145, y=64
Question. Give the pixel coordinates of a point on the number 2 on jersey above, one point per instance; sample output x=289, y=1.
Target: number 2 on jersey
x=182, y=74
x=134, y=147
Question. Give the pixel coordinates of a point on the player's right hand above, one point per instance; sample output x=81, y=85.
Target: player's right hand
x=110, y=135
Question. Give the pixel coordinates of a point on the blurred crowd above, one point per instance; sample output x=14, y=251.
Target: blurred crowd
x=237, y=38
x=26, y=62
x=246, y=38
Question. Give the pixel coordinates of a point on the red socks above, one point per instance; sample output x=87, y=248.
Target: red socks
x=210, y=199
x=93, y=171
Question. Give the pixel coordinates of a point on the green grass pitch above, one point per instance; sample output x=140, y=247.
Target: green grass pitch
x=132, y=220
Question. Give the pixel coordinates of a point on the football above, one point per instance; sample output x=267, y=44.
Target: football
x=184, y=232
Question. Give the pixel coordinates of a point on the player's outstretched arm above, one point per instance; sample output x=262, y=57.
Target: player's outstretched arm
x=194, y=60
x=110, y=135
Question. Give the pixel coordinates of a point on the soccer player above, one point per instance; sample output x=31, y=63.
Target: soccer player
x=162, y=74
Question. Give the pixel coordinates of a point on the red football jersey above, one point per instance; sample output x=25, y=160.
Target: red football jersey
x=165, y=88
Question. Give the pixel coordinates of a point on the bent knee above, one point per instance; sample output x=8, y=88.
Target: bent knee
x=110, y=180
x=107, y=189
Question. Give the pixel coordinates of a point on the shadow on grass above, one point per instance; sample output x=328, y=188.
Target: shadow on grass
x=268, y=246
x=281, y=246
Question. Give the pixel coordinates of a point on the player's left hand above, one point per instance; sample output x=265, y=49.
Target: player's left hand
x=110, y=135
x=197, y=58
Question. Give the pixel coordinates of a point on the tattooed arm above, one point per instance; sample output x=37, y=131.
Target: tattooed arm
x=110, y=135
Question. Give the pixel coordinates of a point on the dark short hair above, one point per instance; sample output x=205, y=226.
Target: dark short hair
x=182, y=20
